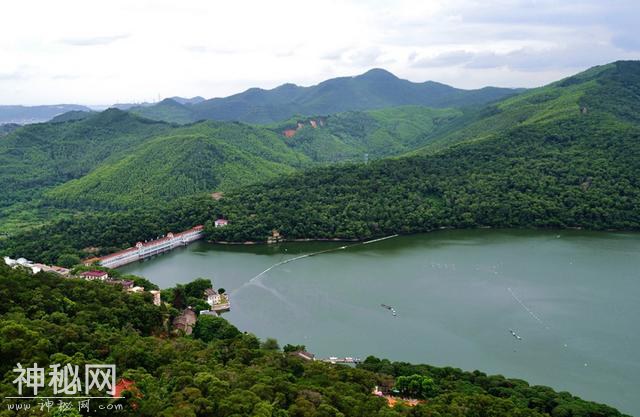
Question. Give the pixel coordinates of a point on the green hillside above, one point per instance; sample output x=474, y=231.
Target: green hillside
x=116, y=159
x=559, y=167
x=203, y=157
x=374, y=89
x=558, y=101
x=44, y=155
x=221, y=371
x=377, y=133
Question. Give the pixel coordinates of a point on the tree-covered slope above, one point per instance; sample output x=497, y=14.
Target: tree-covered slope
x=570, y=169
x=116, y=159
x=202, y=157
x=39, y=156
x=375, y=133
x=374, y=89
x=220, y=371
x=585, y=93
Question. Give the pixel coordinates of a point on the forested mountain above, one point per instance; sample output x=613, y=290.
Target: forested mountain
x=168, y=110
x=572, y=163
x=374, y=89
x=206, y=156
x=351, y=136
x=71, y=115
x=40, y=156
x=219, y=370
x=116, y=159
x=209, y=156
x=35, y=114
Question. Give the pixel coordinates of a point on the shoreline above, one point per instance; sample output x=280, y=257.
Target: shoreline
x=355, y=240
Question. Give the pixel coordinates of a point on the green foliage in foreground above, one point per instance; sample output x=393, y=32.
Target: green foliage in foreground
x=222, y=372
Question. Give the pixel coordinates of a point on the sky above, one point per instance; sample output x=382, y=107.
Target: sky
x=104, y=52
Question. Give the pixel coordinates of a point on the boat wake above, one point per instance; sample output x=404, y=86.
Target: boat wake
x=255, y=280
x=527, y=309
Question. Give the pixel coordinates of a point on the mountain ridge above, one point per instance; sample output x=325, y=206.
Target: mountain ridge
x=376, y=88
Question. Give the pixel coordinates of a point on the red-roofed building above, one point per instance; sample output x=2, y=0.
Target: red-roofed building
x=221, y=223
x=127, y=385
x=95, y=275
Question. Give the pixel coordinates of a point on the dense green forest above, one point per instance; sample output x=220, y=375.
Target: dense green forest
x=40, y=156
x=220, y=371
x=575, y=163
x=206, y=156
x=374, y=89
x=116, y=160
x=376, y=133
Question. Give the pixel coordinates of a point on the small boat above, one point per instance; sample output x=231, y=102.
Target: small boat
x=514, y=334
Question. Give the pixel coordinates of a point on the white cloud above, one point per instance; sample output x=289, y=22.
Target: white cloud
x=101, y=52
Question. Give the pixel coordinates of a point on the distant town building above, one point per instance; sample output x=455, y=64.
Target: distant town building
x=124, y=283
x=35, y=267
x=218, y=302
x=156, y=297
x=185, y=321
x=275, y=237
x=221, y=223
x=307, y=356
x=55, y=269
x=95, y=275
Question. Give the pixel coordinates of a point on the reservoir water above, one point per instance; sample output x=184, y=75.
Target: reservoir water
x=572, y=297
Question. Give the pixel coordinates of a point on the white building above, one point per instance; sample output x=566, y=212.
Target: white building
x=156, y=297
x=218, y=302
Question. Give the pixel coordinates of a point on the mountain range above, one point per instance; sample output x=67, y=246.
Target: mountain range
x=563, y=155
x=374, y=89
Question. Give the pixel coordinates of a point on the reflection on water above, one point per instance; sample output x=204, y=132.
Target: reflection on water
x=572, y=298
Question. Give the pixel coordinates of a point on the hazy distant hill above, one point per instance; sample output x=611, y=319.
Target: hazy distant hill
x=192, y=100
x=35, y=114
x=72, y=115
x=374, y=89
x=5, y=129
x=181, y=100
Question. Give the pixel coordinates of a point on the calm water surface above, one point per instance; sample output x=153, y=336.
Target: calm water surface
x=573, y=297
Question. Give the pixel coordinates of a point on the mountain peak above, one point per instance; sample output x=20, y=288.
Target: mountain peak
x=377, y=74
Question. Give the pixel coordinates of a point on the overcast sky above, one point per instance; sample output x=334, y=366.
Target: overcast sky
x=102, y=52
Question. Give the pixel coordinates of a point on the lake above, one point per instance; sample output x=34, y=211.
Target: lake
x=573, y=298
